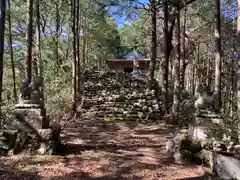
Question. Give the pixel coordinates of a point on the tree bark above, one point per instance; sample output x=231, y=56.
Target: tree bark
x=38, y=47
x=74, y=61
x=28, y=62
x=57, y=35
x=78, y=50
x=183, y=63
x=84, y=39
x=238, y=69
x=153, y=43
x=208, y=80
x=218, y=56
x=177, y=68
x=2, y=29
x=238, y=18
x=11, y=52
x=166, y=57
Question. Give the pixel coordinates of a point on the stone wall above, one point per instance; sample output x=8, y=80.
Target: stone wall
x=117, y=96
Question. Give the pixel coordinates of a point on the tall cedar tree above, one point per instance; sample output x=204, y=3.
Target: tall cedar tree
x=218, y=56
x=154, y=42
x=2, y=28
x=177, y=67
x=29, y=38
x=74, y=61
x=11, y=51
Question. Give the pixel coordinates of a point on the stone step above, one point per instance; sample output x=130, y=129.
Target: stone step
x=149, y=101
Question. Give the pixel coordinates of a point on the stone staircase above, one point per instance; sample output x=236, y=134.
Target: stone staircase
x=117, y=96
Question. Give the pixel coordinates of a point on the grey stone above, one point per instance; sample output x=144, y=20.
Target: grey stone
x=169, y=146
x=45, y=134
x=155, y=107
x=145, y=108
x=237, y=147
x=45, y=148
x=200, y=133
x=119, y=91
x=226, y=167
x=34, y=117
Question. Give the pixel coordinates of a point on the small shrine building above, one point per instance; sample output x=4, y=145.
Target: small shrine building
x=128, y=61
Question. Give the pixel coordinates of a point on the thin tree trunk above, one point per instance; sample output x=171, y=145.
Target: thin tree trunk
x=238, y=18
x=88, y=38
x=177, y=69
x=11, y=52
x=208, y=80
x=166, y=56
x=218, y=56
x=238, y=69
x=2, y=29
x=84, y=36
x=195, y=69
x=183, y=69
x=28, y=63
x=153, y=43
x=57, y=36
x=78, y=50
x=74, y=63
x=233, y=83
x=38, y=47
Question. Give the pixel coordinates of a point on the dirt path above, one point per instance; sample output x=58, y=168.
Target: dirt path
x=104, y=150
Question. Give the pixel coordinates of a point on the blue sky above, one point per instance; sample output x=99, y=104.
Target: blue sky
x=122, y=19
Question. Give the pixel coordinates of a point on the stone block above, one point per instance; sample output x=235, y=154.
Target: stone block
x=226, y=166
x=34, y=117
x=28, y=105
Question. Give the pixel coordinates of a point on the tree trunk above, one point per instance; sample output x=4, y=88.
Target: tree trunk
x=208, y=80
x=29, y=38
x=74, y=61
x=166, y=57
x=84, y=49
x=233, y=84
x=58, y=62
x=78, y=50
x=218, y=56
x=238, y=69
x=2, y=28
x=84, y=36
x=38, y=47
x=195, y=70
x=177, y=69
x=238, y=18
x=183, y=63
x=11, y=52
x=153, y=43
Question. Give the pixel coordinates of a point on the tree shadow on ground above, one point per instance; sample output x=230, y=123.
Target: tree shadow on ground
x=111, y=136
x=125, y=173
x=206, y=176
x=9, y=172
x=98, y=150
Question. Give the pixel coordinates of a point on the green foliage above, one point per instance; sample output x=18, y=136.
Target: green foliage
x=98, y=35
x=136, y=34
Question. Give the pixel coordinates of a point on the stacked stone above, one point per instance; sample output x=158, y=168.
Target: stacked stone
x=28, y=128
x=117, y=96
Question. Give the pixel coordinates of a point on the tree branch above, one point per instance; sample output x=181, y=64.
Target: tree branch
x=183, y=4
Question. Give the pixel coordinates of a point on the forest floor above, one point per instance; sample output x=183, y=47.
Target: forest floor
x=104, y=150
